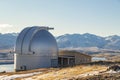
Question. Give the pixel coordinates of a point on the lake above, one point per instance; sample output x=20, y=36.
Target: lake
x=98, y=59
x=7, y=67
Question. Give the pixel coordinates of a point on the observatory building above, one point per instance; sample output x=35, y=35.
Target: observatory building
x=35, y=48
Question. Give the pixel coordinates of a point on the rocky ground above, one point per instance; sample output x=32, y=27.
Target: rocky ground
x=112, y=73
x=108, y=76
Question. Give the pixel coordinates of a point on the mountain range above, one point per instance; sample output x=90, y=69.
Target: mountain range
x=70, y=41
x=88, y=40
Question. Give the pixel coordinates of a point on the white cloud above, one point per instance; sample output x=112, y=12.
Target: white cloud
x=6, y=28
x=5, y=25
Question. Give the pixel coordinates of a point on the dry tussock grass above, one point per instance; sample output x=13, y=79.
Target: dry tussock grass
x=68, y=72
x=57, y=73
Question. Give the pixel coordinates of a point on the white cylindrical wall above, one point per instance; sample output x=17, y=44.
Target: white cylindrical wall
x=33, y=61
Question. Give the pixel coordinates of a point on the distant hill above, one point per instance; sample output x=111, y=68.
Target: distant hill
x=70, y=41
x=8, y=40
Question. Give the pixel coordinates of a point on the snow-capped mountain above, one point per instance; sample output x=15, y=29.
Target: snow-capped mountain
x=88, y=40
x=7, y=40
x=113, y=42
x=70, y=41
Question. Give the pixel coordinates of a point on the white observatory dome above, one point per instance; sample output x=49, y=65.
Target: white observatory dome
x=36, y=40
x=37, y=45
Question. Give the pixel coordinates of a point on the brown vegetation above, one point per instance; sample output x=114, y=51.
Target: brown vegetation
x=67, y=73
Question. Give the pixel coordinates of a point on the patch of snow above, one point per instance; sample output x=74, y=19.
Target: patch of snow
x=10, y=77
x=3, y=76
x=89, y=73
x=111, y=71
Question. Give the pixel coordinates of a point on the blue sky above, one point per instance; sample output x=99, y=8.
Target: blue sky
x=100, y=17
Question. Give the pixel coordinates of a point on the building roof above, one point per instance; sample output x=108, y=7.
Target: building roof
x=72, y=52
